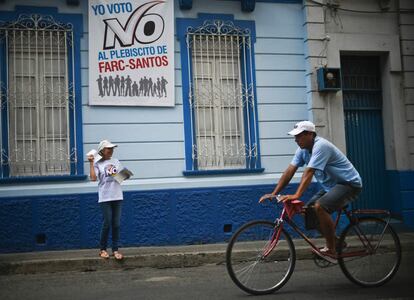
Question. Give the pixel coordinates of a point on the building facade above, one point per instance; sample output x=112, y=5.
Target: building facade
x=245, y=72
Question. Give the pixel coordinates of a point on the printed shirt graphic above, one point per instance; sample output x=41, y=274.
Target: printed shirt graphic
x=131, y=52
x=330, y=164
x=109, y=188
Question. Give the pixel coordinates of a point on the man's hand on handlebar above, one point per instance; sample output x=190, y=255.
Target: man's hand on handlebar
x=269, y=197
x=279, y=198
x=284, y=198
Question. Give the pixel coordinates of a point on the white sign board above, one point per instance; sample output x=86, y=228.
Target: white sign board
x=131, y=52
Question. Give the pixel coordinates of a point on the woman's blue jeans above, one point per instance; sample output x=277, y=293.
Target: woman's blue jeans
x=111, y=211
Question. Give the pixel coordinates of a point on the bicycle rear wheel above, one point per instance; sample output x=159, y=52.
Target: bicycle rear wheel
x=372, y=252
x=254, y=264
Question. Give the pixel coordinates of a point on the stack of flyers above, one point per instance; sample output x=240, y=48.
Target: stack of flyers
x=122, y=175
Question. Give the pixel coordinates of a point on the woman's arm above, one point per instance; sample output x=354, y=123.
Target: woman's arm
x=92, y=173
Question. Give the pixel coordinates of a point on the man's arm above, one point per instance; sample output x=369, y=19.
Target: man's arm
x=304, y=183
x=284, y=181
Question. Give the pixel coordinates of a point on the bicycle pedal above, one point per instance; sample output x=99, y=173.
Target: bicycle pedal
x=324, y=260
x=321, y=263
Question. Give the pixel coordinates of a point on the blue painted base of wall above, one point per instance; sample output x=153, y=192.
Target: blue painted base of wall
x=167, y=217
x=401, y=195
x=163, y=217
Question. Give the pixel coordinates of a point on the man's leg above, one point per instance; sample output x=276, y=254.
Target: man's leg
x=327, y=227
x=330, y=202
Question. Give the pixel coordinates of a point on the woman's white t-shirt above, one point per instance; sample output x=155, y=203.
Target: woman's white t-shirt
x=109, y=189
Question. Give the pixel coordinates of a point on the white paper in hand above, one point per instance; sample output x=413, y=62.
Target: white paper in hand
x=123, y=175
x=95, y=154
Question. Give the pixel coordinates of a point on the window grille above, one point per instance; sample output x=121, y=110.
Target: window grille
x=37, y=97
x=221, y=97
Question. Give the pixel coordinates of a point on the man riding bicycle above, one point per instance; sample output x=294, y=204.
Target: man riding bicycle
x=340, y=181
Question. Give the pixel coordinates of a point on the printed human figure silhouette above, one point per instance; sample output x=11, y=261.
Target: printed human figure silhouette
x=150, y=87
x=146, y=91
x=128, y=82
x=122, y=86
x=99, y=80
x=158, y=84
x=135, y=89
x=111, y=85
x=164, y=83
x=117, y=83
x=141, y=87
x=105, y=86
x=154, y=89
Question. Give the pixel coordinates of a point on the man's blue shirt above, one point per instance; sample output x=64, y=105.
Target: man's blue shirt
x=330, y=164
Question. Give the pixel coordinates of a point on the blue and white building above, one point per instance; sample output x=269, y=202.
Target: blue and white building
x=245, y=72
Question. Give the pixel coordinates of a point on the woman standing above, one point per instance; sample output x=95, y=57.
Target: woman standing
x=110, y=195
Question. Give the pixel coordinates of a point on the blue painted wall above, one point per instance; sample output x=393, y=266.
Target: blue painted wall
x=401, y=195
x=170, y=217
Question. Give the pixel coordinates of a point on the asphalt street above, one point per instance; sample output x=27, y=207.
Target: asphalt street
x=205, y=282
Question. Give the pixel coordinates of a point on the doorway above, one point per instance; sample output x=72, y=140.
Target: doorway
x=362, y=95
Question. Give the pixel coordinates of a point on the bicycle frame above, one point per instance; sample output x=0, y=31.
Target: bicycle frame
x=292, y=208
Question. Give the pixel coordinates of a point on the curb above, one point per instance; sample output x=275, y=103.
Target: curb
x=178, y=260
x=143, y=257
x=173, y=260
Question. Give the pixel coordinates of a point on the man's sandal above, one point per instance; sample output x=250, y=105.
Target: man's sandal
x=326, y=254
x=118, y=255
x=103, y=254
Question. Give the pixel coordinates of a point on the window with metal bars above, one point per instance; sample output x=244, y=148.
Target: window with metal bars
x=38, y=103
x=219, y=95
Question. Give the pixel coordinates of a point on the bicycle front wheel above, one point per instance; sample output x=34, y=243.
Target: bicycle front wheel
x=371, y=253
x=255, y=264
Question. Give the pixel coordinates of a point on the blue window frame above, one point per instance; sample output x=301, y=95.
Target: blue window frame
x=219, y=95
x=40, y=84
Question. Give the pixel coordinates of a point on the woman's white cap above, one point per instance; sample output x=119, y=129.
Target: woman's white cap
x=301, y=127
x=106, y=144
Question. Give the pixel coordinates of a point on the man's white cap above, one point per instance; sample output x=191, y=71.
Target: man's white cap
x=301, y=127
x=106, y=144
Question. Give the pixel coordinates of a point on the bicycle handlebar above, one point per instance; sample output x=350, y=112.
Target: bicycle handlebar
x=277, y=197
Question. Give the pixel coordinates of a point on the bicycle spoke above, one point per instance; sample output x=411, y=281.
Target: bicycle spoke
x=245, y=273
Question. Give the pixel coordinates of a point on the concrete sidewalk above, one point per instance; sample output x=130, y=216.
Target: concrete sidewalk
x=154, y=257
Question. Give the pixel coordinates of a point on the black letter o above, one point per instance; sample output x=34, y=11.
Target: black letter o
x=149, y=28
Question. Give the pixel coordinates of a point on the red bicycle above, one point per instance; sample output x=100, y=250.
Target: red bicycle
x=261, y=255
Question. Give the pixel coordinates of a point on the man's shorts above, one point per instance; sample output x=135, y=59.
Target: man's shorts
x=337, y=197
